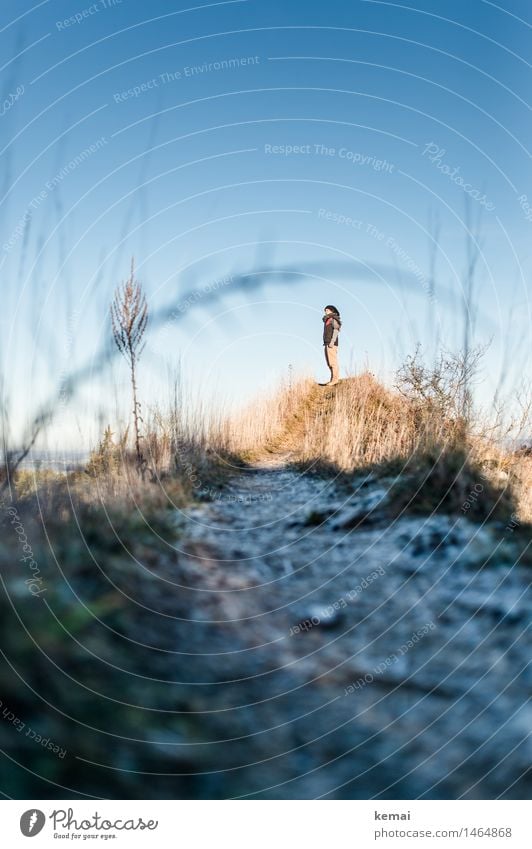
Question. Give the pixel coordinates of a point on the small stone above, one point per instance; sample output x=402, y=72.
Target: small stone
x=320, y=616
x=362, y=512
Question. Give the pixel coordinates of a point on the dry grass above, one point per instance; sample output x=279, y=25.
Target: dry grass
x=423, y=441
x=413, y=432
x=184, y=454
x=358, y=423
x=270, y=424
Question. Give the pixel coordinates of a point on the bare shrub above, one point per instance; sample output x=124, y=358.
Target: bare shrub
x=436, y=393
x=129, y=319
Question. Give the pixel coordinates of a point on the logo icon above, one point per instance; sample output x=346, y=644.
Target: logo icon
x=32, y=822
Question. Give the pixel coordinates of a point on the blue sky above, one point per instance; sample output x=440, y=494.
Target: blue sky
x=215, y=140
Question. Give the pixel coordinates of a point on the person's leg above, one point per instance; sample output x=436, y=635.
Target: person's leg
x=327, y=360
x=333, y=362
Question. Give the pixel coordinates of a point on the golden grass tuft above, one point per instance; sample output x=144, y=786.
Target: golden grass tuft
x=362, y=425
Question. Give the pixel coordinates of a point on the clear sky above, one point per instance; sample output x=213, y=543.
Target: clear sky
x=317, y=148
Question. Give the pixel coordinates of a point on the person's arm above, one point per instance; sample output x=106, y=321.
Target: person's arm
x=334, y=336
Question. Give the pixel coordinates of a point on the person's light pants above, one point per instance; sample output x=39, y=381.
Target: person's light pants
x=331, y=358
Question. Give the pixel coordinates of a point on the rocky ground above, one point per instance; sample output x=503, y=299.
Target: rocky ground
x=290, y=639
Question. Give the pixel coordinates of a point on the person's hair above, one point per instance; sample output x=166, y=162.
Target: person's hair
x=332, y=308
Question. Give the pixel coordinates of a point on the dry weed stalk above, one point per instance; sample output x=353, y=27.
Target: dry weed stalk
x=129, y=319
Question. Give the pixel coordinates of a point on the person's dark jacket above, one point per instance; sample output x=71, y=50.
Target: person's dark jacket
x=331, y=327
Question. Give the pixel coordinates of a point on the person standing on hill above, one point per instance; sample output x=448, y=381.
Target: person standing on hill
x=331, y=328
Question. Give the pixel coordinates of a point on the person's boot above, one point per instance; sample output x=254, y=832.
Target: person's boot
x=334, y=376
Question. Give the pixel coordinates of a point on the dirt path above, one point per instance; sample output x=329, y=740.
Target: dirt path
x=326, y=660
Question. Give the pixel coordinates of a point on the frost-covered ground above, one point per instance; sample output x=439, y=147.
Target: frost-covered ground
x=337, y=653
